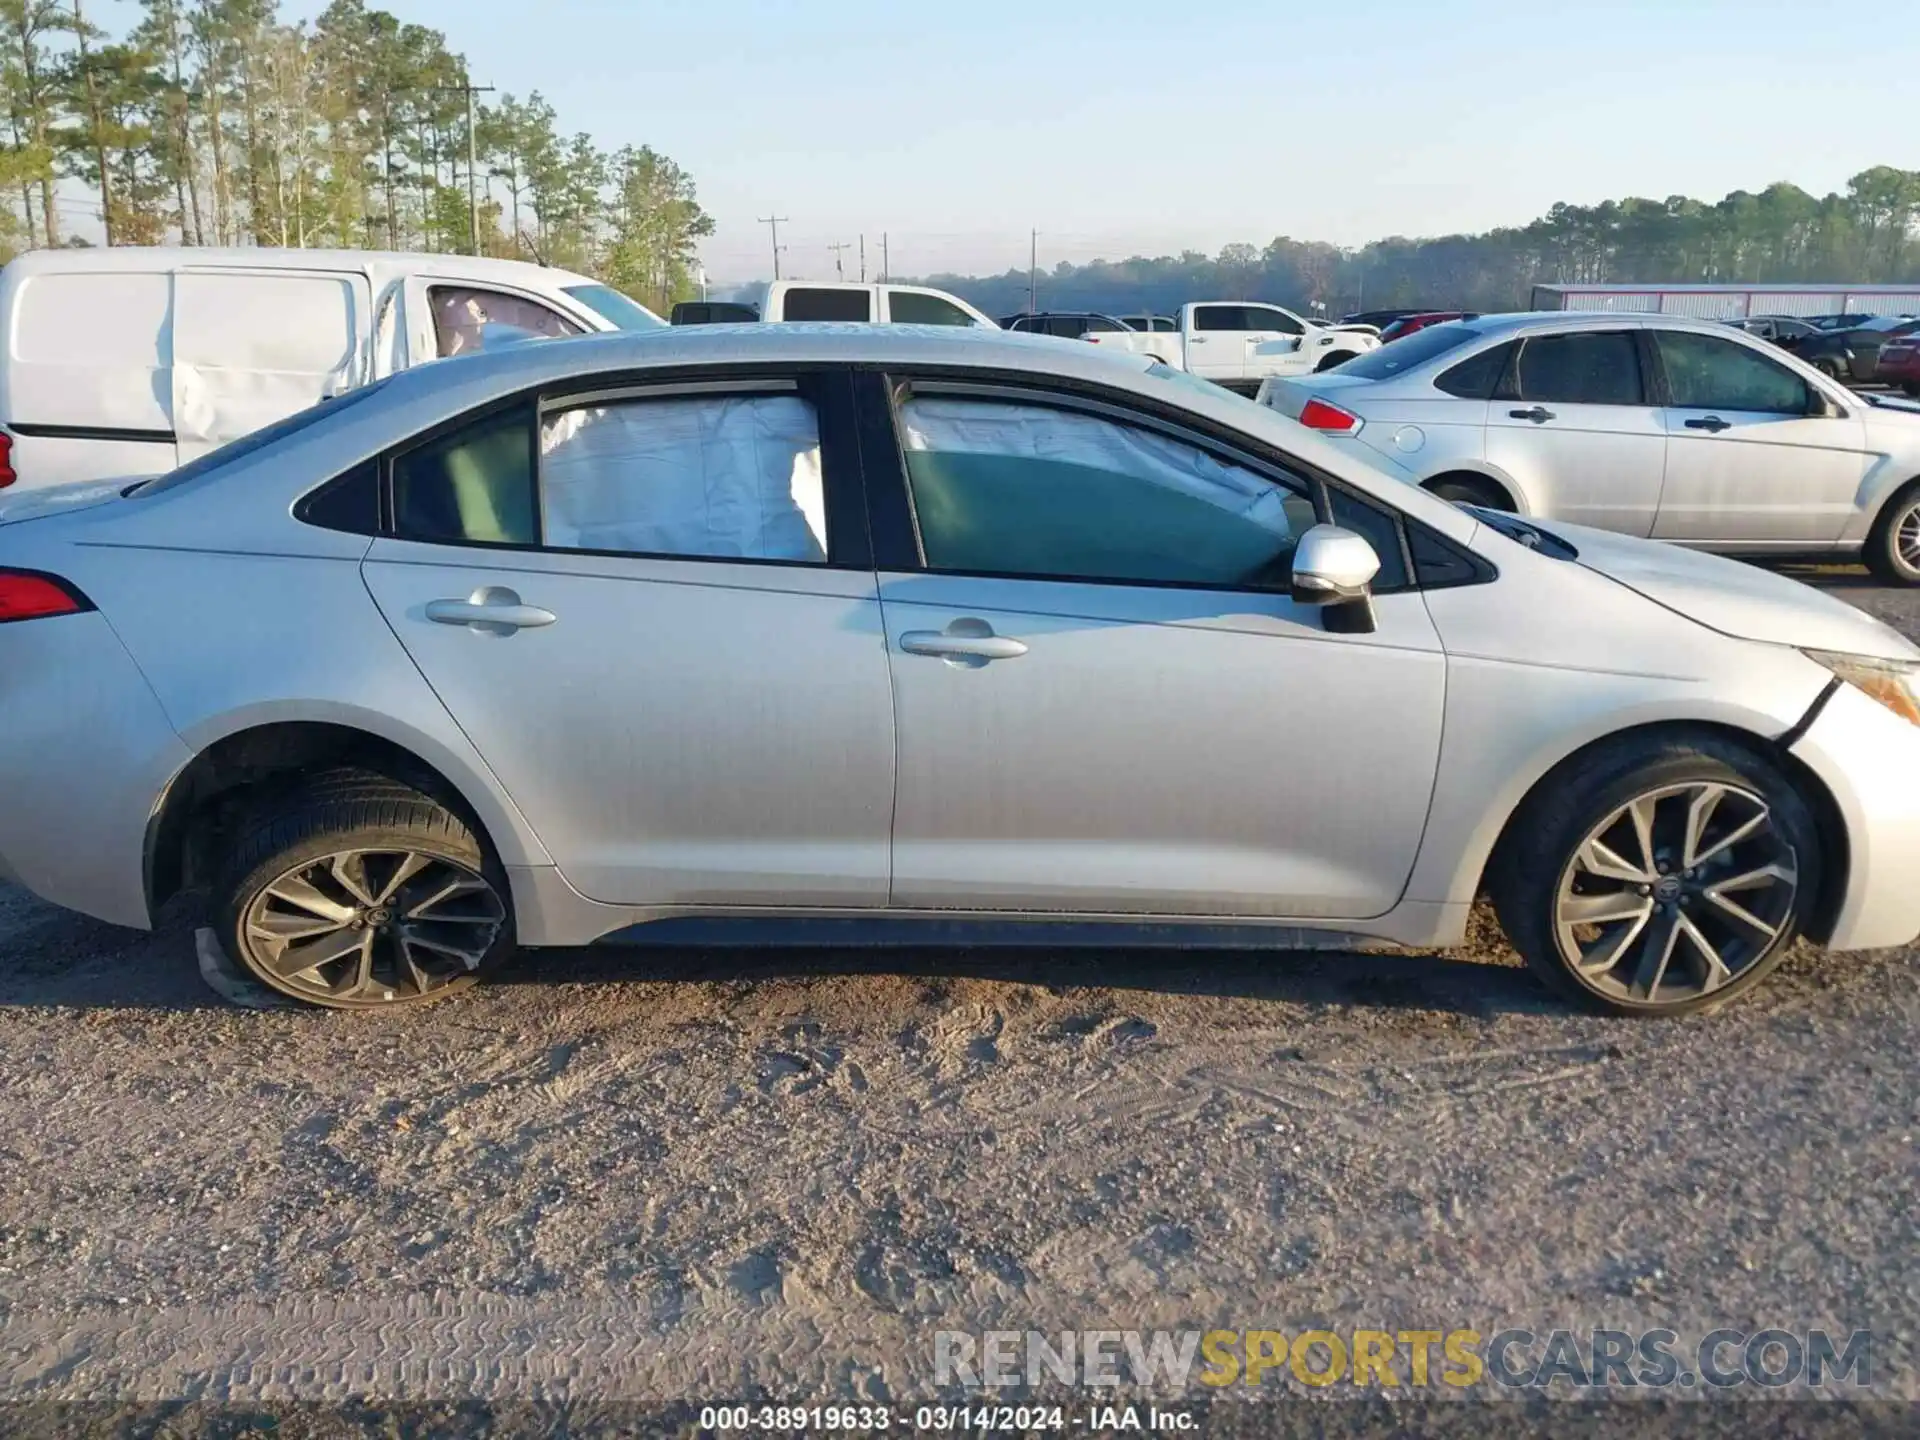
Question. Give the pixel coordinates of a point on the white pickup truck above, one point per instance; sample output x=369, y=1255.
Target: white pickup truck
x=1239, y=343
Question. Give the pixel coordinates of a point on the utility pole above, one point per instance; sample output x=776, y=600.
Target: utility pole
x=886, y=272
x=1033, y=269
x=473, y=187
x=863, y=257
x=773, y=223
x=838, y=247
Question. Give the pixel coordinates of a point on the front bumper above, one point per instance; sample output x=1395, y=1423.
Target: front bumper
x=1869, y=759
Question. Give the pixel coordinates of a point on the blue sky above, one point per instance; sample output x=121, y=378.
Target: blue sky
x=1124, y=126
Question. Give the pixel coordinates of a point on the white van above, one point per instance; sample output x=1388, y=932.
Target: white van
x=860, y=303
x=126, y=362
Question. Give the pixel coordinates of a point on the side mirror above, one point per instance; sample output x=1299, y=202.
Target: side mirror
x=1334, y=568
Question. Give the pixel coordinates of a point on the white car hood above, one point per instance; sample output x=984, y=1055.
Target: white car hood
x=1734, y=598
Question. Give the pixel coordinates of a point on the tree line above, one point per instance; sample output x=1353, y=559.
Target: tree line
x=1862, y=235
x=213, y=122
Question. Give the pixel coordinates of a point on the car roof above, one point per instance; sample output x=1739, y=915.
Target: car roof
x=1521, y=322
x=544, y=362
x=95, y=259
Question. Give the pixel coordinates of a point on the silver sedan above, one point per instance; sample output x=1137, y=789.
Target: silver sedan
x=1684, y=430
x=801, y=623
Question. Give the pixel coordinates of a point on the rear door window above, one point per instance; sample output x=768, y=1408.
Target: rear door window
x=828, y=305
x=473, y=486
x=708, y=476
x=1589, y=367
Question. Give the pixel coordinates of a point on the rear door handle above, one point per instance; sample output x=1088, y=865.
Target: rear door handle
x=490, y=610
x=1710, y=422
x=1539, y=414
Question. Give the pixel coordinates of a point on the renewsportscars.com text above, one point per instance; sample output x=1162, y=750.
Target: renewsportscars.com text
x=1392, y=1359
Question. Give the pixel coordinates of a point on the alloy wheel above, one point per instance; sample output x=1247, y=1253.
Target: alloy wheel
x=1675, y=894
x=371, y=926
x=1906, y=537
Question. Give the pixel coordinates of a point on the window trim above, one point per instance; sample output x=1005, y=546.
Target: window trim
x=826, y=387
x=896, y=529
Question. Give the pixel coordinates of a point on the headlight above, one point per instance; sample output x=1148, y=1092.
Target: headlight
x=1893, y=683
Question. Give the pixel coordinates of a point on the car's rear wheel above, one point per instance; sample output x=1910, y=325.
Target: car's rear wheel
x=1470, y=490
x=358, y=892
x=1892, y=551
x=1831, y=368
x=1659, y=876
x=1331, y=359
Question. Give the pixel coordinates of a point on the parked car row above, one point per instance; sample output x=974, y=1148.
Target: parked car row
x=1241, y=344
x=826, y=623
x=1652, y=425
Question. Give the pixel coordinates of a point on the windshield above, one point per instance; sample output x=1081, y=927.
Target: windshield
x=1409, y=352
x=611, y=305
x=247, y=444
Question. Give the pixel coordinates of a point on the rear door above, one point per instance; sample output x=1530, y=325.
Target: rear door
x=253, y=346
x=653, y=611
x=1746, y=461
x=1216, y=342
x=1574, y=425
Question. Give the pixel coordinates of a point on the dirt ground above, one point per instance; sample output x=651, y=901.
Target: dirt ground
x=657, y=1174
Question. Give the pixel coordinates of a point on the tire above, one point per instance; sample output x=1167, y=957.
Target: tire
x=1331, y=359
x=1470, y=490
x=1831, y=368
x=358, y=863
x=1911, y=387
x=1550, y=859
x=1892, y=551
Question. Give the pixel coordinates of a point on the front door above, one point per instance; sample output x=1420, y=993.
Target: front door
x=1105, y=700
x=1574, y=425
x=1753, y=456
x=657, y=635
x=254, y=346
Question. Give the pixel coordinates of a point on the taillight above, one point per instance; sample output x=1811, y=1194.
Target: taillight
x=7, y=477
x=1324, y=415
x=29, y=595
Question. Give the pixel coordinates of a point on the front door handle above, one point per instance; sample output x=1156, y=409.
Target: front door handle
x=1710, y=422
x=1539, y=414
x=968, y=643
x=490, y=610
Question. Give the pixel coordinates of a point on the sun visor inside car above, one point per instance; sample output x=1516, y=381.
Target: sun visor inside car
x=708, y=475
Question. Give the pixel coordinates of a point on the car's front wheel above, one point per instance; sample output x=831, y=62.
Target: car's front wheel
x=1659, y=876
x=358, y=892
x=1892, y=551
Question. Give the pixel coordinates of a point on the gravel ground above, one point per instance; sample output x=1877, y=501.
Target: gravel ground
x=661, y=1174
